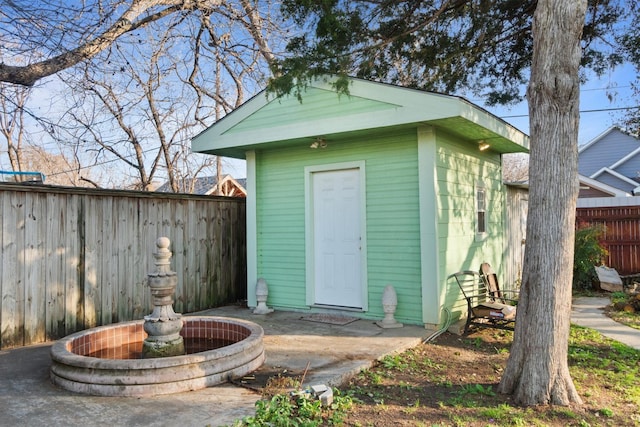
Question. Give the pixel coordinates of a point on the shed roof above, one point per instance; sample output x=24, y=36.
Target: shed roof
x=323, y=113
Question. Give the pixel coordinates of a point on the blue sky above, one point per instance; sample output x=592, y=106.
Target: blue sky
x=597, y=110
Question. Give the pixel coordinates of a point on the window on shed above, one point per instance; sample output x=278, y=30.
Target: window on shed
x=481, y=210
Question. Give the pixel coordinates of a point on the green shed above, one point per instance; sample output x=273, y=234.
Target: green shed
x=347, y=194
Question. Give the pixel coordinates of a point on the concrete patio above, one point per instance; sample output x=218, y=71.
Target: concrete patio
x=333, y=353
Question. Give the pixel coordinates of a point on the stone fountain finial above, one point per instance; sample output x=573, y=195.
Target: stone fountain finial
x=163, y=325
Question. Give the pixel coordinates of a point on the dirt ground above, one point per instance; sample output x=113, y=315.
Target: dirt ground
x=450, y=381
x=420, y=389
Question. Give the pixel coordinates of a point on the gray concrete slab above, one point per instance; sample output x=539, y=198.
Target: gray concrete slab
x=589, y=312
x=332, y=352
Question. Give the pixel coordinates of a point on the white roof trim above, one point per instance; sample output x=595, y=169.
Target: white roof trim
x=597, y=138
x=615, y=174
x=625, y=158
x=601, y=186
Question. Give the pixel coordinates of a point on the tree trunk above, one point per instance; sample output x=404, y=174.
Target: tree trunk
x=537, y=371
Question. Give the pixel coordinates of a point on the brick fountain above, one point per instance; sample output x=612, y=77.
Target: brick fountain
x=162, y=354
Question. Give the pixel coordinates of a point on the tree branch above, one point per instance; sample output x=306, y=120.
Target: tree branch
x=133, y=18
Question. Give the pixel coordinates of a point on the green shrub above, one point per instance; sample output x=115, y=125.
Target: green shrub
x=588, y=254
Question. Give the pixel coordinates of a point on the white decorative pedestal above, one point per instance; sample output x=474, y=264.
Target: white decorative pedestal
x=389, y=304
x=262, y=292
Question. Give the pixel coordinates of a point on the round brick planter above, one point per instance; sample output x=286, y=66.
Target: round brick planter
x=90, y=362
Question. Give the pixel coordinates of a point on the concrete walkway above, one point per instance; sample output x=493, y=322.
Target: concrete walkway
x=333, y=352
x=589, y=312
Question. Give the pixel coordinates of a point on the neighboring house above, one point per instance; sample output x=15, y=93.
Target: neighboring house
x=609, y=165
x=350, y=193
x=208, y=185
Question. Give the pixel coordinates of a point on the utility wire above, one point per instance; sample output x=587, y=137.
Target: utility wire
x=599, y=110
x=105, y=162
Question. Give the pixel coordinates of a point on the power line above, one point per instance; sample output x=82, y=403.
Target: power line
x=599, y=110
x=105, y=162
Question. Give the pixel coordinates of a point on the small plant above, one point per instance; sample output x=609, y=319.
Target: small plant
x=374, y=377
x=478, y=389
x=564, y=413
x=606, y=412
x=464, y=397
x=280, y=385
x=475, y=342
x=375, y=395
x=617, y=297
x=394, y=362
x=412, y=408
x=405, y=386
x=588, y=253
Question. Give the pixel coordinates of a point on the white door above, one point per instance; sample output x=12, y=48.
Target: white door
x=336, y=237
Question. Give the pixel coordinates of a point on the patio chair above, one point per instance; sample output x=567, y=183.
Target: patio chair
x=487, y=304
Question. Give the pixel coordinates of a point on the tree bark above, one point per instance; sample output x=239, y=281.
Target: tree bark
x=537, y=371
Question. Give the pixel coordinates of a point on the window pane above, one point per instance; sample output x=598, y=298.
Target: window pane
x=481, y=223
x=481, y=208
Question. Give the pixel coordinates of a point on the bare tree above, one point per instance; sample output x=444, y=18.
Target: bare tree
x=67, y=33
x=142, y=99
x=23, y=155
x=13, y=101
x=515, y=167
x=537, y=371
x=58, y=169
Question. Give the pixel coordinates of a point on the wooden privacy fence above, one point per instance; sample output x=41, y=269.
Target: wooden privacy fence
x=75, y=258
x=621, y=225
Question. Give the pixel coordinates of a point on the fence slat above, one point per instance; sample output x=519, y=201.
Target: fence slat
x=34, y=253
x=70, y=256
x=55, y=267
x=92, y=256
x=12, y=314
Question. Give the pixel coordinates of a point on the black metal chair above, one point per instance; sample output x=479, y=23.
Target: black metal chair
x=487, y=305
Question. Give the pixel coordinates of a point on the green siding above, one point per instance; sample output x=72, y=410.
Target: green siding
x=392, y=215
x=459, y=169
x=316, y=104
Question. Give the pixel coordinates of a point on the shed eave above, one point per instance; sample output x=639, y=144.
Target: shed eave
x=399, y=107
